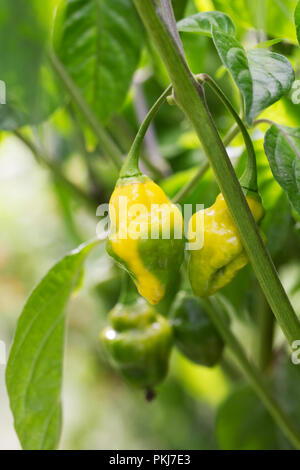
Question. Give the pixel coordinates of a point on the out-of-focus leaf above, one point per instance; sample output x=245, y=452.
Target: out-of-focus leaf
x=243, y=423
x=282, y=147
x=275, y=17
x=280, y=18
x=99, y=43
x=286, y=379
x=192, y=44
x=34, y=370
x=262, y=76
x=202, y=23
x=179, y=7
x=237, y=10
x=31, y=94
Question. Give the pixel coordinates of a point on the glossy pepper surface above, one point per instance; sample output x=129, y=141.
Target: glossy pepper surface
x=221, y=256
x=194, y=334
x=138, y=342
x=146, y=235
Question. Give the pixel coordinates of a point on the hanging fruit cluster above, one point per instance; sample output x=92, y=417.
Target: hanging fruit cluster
x=147, y=241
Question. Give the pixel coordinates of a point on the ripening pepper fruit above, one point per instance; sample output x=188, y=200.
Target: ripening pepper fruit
x=147, y=242
x=221, y=256
x=138, y=343
x=146, y=236
x=194, y=334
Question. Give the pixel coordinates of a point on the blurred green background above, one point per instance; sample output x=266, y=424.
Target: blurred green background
x=41, y=219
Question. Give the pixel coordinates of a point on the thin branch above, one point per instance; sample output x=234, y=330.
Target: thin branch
x=110, y=148
x=41, y=157
x=95, y=188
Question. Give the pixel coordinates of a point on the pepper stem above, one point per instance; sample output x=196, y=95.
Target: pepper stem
x=131, y=164
x=248, y=180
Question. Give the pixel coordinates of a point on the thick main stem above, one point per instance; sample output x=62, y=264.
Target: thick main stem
x=190, y=97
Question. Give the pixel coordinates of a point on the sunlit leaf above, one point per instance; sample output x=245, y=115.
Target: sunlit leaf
x=99, y=44
x=262, y=76
x=35, y=365
x=272, y=16
x=202, y=23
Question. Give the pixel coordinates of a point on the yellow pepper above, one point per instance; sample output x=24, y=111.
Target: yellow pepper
x=215, y=264
x=146, y=235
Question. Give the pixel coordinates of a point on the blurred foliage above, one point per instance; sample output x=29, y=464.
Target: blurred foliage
x=42, y=219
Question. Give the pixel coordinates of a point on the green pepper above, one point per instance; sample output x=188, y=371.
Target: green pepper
x=194, y=334
x=138, y=342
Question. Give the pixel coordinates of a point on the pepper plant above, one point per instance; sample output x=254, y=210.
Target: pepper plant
x=217, y=74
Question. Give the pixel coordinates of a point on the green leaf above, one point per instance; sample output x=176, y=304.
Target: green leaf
x=243, y=423
x=100, y=44
x=271, y=16
x=31, y=94
x=203, y=22
x=262, y=76
x=297, y=20
x=35, y=364
x=282, y=147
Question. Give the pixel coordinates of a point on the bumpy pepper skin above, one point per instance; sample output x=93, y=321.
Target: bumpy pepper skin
x=153, y=263
x=194, y=334
x=222, y=255
x=139, y=343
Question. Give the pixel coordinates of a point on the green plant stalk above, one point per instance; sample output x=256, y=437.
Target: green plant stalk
x=265, y=333
x=251, y=372
x=204, y=167
x=190, y=97
x=108, y=145
x=42, y=158
x=131, y=164
x=188, y=188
